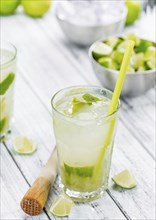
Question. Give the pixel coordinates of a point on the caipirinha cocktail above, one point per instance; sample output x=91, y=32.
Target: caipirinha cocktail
x=7, y=78
x=81, y=125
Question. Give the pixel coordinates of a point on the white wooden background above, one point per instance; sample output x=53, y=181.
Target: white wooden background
x=47, y=62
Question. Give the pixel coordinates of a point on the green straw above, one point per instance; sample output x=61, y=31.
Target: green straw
x=114, y=103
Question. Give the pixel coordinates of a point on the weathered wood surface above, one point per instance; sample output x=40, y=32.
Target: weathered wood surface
x=48, y=62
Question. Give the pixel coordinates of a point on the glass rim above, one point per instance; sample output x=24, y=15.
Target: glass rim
x=84, y=86
x=3, y=65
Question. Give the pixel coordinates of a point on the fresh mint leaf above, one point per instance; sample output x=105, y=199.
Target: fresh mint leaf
x=6, y=83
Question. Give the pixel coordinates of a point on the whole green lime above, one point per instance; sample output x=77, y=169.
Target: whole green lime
x=36, y=8
x=134, y=10
x=8, y=7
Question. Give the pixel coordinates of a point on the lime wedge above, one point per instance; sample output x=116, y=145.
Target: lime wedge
x=125, y=179
x=101, y=49
x=6, y=83
x=62, y=206
x=23, y=145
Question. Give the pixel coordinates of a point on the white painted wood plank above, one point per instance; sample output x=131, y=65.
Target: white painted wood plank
x=34, y=121
x=13, y=187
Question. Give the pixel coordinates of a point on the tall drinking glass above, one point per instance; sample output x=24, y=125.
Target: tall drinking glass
x=81, y=127
x=7, y=78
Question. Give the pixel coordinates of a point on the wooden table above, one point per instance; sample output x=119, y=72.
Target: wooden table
x=47, y=62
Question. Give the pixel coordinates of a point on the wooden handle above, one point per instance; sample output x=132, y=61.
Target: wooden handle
x=36, y=197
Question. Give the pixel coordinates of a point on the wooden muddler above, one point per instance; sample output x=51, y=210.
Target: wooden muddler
x=36, y=197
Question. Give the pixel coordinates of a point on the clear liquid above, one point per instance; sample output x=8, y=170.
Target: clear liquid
x=6, y=99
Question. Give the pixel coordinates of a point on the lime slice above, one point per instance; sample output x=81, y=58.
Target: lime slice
x=23, y=145
x=62, y=206
x=6, y=83
x=125, y=179
x=101, y=49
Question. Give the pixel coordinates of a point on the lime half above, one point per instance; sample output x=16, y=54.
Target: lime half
x=101, y=49
x=62, y=206
x=125, y=179
x=23, y=145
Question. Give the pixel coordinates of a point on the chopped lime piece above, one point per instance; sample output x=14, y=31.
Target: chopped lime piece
x=23, y=145
x=141, y=69
x=112, y=41
x=89, y=98
x=138, y=60
x=150, y=64
x=117, y=56
x=151, y=52
x=130, y=69
x=62, y=206
x=134, y=38
x=125, y=179
x=108, y=63
x=143, y=46
x=121, y=47
x=101, y=49
x=6, y=83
